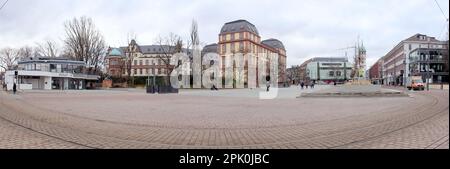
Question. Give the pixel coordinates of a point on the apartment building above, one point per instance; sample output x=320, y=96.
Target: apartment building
x=417, y=55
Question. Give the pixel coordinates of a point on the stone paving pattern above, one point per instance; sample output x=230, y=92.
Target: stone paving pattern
x=225, y=119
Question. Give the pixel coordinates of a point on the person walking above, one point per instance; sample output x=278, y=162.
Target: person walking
x=312, y=85
x=307, y=84
x=14, y=88
x=302, y=84
x=268, y=85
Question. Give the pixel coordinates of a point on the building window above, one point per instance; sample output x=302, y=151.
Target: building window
x=338, y=73
x=241, y=35
x=135, y=62
x=331, y=73
x=223, y=48
x=135, y=71
x=140, y=62
x=146, y=62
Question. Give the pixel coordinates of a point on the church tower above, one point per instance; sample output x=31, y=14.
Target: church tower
x=362, y=56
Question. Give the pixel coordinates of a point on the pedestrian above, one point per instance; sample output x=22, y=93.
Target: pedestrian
x=302, y=84
x=334, y=83
x=312, y=85
x=14, y=88
x=306, y=85
x=268, y=86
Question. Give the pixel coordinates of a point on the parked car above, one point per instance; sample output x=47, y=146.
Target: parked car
x=416, y=83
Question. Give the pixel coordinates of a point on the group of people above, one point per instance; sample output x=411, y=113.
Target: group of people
x=307, y=84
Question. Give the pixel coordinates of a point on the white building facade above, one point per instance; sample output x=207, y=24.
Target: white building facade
x=49, y=74
x=328, y=70
x=397, y=64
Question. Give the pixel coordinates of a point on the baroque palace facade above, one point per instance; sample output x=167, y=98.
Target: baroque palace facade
x=238, y=36
x=146, y=60
x=241, y=36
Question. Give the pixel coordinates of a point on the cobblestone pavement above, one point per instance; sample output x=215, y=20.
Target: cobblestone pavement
x=124, y=119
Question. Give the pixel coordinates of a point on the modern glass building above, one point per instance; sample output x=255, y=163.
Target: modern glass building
x=328, y=69
x=43, y=73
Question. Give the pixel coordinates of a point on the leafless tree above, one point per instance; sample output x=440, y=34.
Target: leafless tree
x=49, y=49
x=193, y=46
x=169, y=45
x=131, y=53
x=85, y=42
x=194, y=38
x=26, y=52
x=9, y=58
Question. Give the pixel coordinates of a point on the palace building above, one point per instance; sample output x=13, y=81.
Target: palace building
x=142, y=61
x=241, y=36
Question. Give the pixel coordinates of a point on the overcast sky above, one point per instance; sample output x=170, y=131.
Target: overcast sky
x=308, y=28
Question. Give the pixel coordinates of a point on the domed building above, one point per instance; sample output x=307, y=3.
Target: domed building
x=115, y=61
x=241, y=36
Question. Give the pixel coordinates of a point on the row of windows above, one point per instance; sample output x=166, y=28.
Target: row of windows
x=147, y=62
x=239, y=36
x=142, y=71
x=335, y=73
x=241, y=47
x=149, y=71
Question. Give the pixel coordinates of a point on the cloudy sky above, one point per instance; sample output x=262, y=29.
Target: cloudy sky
x=308, y=28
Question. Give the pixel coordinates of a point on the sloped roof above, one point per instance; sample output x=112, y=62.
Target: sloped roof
x=238, y=26
x=417, y=37
x=329, y=59
x=274, y=43
x=211, y=48
x=115, y=52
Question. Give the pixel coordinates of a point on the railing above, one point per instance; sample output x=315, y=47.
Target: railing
x=435, y=58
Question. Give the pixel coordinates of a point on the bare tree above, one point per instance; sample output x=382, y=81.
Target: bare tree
x=49, y=48
x=85, y=42
x=195, y=39
x=9, y=58
x=131, y=53
x=169, y=45
x=26, y=52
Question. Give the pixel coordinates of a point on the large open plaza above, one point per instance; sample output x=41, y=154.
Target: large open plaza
x=228, y=118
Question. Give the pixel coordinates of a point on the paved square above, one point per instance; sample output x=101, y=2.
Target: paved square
x=228, y=118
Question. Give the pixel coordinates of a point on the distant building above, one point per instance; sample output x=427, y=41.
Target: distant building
x=328, y=69
x=293, y=75
x=241, y=36
x=146, y=60
x=303, y=71
x=211, y=48
x=418, y=55
x=376, y=72
x=47, y=73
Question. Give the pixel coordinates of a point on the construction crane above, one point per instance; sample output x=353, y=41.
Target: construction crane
x=353, y=73
x=350, y=47
x=359, y=60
